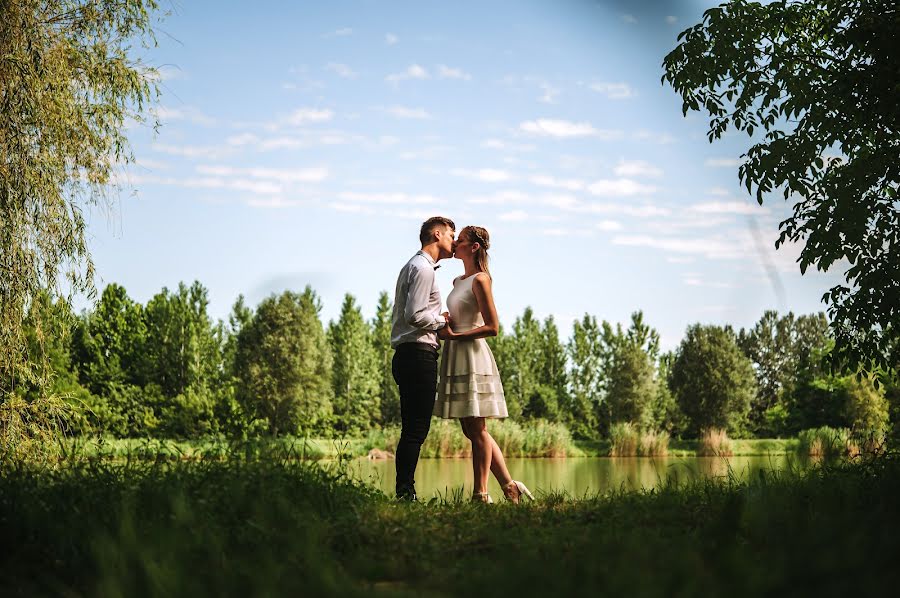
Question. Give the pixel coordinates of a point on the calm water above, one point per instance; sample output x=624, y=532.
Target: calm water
x=577, y=476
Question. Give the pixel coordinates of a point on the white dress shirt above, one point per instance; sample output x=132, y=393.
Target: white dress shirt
x=417, y=303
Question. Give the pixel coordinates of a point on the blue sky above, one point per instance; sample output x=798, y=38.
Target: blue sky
x=304, y=143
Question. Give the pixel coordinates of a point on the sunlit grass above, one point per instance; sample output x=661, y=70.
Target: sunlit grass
x=278, y=526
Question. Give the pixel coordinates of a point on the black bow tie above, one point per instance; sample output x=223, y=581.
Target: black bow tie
x=437, y=266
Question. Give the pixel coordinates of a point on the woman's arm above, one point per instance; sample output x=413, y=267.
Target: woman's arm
x=481, y=286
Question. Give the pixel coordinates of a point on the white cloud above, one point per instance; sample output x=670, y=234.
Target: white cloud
x=446, y=72
x=388, y=198
x=391, y=39
x=609, y=225
x=728, y=207
x=719, y=191
x=723, y=162
x=431, y=152
x=673, y=259
x=413, y=71
x=555, y=183
x=500, y=198
x=564, y=129
x=304, y=116
x=708, y=247
x=550, y=93
x=514, y=216
x=410, y=113
x=620, y=188
x=487, y=175
x=632, y=168
x=653, y=137
x=696, y=280
x=341, y=70
x=192, y=151
x=506, y=145
x=614, y=91
x=342, y=32
x=570, y=203
x=281, y=175
x=167, y=113
x=630, y=19
x=671, y=20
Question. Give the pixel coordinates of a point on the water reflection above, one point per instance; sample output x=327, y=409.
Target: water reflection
x=578, y=477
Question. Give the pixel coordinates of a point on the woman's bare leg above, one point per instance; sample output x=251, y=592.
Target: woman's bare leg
x=498, y=464
x=482, y=449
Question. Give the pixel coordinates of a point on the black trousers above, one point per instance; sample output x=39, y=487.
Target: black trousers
x=415, y=368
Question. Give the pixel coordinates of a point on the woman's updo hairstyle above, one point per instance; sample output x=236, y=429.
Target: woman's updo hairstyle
x=477, y=234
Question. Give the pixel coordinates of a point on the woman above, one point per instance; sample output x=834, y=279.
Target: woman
x=469, y=387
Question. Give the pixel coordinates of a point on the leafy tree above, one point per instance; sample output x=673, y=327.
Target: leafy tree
x=503, y=348
x=523, y=377
x=109, y=344
x=586, y=357
x=630, y=377
x=712, y=380
x=355, y=374
x=549, y=395
x=228, y=411
x=665, y=414
x=70, y=84
x=779, y=347
x=632, y=386
x=819, y=78
x=181, y=348
x=283, y=364
x=389, y=394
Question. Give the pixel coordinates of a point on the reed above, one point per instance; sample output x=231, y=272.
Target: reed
x=826, y=442
x=624, y=440
x=714, y=442
x=654, y=443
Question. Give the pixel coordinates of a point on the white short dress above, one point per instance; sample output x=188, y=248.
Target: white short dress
x=469, y=382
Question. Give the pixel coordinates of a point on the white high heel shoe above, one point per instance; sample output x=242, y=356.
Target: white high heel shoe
x=522, y=491
x=482, y=497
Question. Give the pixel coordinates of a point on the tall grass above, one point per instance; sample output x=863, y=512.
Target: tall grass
x=714, y=442
x=627, y=440
x=446, y=440
x=624, y=439
x=827, y=442
x=270, y=526
x=654, y=443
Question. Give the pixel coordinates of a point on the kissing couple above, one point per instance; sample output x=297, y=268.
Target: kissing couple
x=468, y=387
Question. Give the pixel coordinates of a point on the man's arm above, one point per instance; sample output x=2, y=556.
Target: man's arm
x=417, y=313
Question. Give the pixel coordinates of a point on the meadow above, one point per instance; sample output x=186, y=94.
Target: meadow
x=269, y=524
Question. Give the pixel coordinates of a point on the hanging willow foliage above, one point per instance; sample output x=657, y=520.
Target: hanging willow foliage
x=70, y=82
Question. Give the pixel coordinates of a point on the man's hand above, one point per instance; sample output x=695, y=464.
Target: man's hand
x=449, y=320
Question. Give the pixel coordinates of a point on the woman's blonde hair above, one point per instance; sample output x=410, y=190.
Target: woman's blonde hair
x=477, y=234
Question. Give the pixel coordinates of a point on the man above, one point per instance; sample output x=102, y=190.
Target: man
x=415, y=321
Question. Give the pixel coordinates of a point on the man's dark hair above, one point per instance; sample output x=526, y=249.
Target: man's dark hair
x=429, y=225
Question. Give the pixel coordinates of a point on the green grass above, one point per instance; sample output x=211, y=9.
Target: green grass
x=268, y=526
x=741, y=447
x=445, y=440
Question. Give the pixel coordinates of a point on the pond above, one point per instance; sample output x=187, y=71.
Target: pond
x=578, y=477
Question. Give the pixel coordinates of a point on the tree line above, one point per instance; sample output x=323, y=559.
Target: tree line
x=167, y=369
